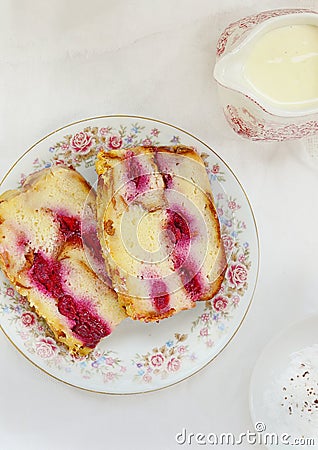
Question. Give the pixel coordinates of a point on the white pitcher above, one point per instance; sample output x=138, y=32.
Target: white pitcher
x=246, y=109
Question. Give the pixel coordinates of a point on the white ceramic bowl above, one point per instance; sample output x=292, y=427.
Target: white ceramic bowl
x=284, y=386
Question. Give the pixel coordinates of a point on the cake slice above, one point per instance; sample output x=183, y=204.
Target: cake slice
x=158, y=229
x=42, y=227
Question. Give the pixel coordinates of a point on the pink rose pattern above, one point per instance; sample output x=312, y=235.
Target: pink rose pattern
x=46, y=348
x=241, y=258
x=28, y=319
x=59, y=162
x=215, y=168
x=109, y=361
x=174, y=365
x=81, y=143
x=205, y=317
x=220, y=303
x=104, y=131
x=257, y=129
x=10, y=292
x=157, y=360
x=209, y=343
x=237, y=274
x=164, y=362
x=147, y=378
x=115, y=142
x=109, y=376
x=228, y=242
x=23, y=300
x=147, y=142
x=233, y=32
x=204, y=331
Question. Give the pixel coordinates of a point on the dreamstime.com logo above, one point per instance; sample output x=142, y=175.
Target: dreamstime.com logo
x=259, y=436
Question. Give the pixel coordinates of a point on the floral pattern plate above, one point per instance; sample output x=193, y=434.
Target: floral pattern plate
x=139, y=357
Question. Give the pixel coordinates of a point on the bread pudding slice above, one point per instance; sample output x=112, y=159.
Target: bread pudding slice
x=42, y=227
x=158, y=229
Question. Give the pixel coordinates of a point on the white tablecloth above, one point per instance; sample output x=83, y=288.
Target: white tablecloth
x=66, y=60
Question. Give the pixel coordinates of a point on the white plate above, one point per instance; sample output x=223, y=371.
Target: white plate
x=140, y=357
x=279, y=400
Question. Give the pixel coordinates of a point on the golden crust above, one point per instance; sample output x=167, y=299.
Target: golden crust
x=127, y=303
x=107, y=159
x=220, y=265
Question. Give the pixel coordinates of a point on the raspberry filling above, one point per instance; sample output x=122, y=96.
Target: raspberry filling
x=67, y=307
x=46, y=275
x=70, y=227
x=87, y=326
x=138, y=181
x=159, y=295
x=179, y=230
x=194, y=288
x=178, y=225
x=192, y=281
x=189, y=273
x=90, y=328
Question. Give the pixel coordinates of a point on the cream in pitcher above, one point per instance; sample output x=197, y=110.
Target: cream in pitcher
x=267, y=74
x=283, y=66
